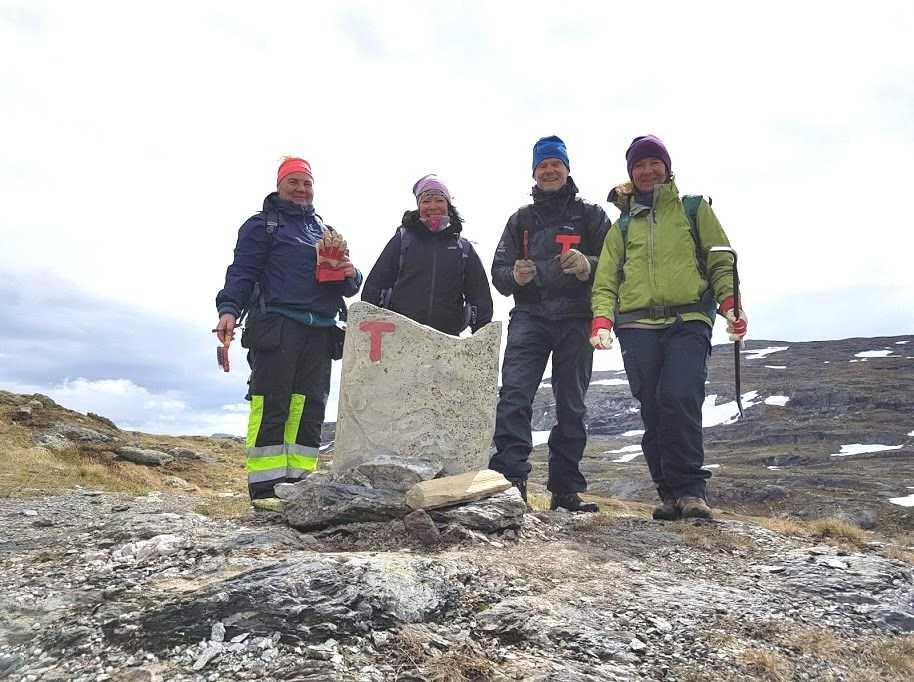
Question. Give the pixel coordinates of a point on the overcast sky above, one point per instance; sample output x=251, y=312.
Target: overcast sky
x=137, y=137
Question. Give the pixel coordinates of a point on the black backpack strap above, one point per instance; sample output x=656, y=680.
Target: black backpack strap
x=271, y=224
x=384, y=295
x=690, y=204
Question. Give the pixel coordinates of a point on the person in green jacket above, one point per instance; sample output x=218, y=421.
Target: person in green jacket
x=657, y=286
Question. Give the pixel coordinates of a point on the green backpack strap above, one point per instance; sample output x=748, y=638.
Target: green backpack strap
x=691, y=202
x=624, y=219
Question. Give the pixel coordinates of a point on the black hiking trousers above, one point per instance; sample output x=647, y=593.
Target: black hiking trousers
x=666, y=370
x=531, y=339
x=290, y=382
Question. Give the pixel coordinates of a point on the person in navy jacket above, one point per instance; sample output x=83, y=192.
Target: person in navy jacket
x=291, y=306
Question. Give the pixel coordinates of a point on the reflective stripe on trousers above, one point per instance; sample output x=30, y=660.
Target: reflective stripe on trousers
x=283, y=462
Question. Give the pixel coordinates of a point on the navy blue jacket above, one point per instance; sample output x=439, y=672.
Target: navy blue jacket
x=282, y=262
x=552, y=294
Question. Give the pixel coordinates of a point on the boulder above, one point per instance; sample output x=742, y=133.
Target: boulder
x=503, y=510
x=144, y=456
x=412, y=390
x=390, y=472
x=311, y=505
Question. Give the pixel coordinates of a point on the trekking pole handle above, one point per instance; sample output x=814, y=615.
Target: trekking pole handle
x=732, y=252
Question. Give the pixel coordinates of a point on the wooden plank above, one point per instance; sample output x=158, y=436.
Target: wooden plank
x=468, y=487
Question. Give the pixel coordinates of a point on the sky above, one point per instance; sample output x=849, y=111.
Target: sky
x=136, y=138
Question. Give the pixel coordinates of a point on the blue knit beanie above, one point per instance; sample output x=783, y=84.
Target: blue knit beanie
x=550, y=147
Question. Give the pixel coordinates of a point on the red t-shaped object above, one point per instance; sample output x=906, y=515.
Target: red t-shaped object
x=376, y=329
x=567, y=241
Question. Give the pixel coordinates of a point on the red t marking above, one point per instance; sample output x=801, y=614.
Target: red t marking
x=567, y=240
x=376, y=329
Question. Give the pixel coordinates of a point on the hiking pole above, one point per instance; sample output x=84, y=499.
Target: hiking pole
x=736, y=344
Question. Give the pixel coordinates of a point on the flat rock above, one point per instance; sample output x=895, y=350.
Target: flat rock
x=391, y=472
x=451, y=490
x=412, y=390
x=144, y=456
x=62, y=435
x=311, y=505
x=498, y=512
x=306, y=600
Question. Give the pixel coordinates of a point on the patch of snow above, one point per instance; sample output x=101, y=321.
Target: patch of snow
x=726, y=413
x=711, y=466
x=777, y=400
x=901, y=343
x=907, y=501
x=774, y=468
x=760, y=353
x=911, y=435
x=860, y=449
x=827, y=362
x=545, y=384
x=775, y=366
x=610, y=382
x=540, y=437
x=627, y=458
x=640, y=432
x=873, y=354
x=627, y=448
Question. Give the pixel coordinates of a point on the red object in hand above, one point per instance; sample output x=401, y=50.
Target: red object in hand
x=725, y=305
x=567, y=241
x=739, y=327
x=526, y=244
x=599, y=323
x=328, y=273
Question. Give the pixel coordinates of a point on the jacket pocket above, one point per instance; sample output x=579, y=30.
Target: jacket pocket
x=263, y=333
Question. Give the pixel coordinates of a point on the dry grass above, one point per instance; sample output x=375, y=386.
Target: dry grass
x=846, y=534
x=706, y=536
x=816, y=641
x=766, y=665
x=224, y=507
x=898, y=554
x=839, y=529
x=784, y=526
x=892, y=655
x=538, y=502
x=459, y=666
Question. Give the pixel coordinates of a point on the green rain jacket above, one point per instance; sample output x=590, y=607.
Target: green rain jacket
x=660, y=259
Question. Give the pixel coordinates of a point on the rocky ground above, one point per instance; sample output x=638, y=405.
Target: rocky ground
x=102, y=586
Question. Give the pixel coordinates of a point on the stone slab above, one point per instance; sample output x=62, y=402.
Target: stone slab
x=409, y=389
x=450, y=490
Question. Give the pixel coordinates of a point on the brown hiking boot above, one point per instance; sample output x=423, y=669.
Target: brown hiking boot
x=693, y=508
x=666, y=510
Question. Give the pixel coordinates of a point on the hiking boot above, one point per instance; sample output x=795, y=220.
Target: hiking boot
x=271, y=504
x=521, y=485
x=693, y=508
x=571, y=502
x=666, y=510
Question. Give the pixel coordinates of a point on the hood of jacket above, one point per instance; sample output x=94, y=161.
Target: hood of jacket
x=272, y=202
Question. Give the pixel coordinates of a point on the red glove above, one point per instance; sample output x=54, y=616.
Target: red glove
x=600, y=337
x=736, y=328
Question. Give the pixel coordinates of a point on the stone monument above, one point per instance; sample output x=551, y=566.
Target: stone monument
x=412, y=391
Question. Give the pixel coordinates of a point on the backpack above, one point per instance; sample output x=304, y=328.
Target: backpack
x=690, y=203
x=406, y=238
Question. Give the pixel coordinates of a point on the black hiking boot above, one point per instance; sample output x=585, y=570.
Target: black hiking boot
x=571, y=502
x=521, y=485
x=667, y=510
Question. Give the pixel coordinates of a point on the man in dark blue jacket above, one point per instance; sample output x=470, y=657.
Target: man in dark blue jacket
x=289, y=326
x=546, y=259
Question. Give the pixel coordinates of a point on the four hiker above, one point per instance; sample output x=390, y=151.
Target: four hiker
x=427, y=271
x=546, y=259
x=657, y=286
x=289, y=330
x=654, y=282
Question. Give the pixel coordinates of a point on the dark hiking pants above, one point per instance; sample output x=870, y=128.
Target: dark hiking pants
x=667, y=369
x=531, y=339
x=290, y=381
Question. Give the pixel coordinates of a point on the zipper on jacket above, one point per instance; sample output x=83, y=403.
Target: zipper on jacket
x=652, y=240
x=431, y=292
